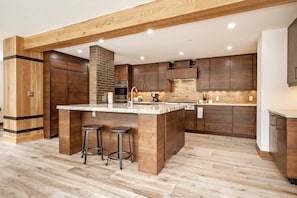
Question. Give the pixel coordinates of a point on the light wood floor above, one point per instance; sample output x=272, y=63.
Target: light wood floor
x=207, y=166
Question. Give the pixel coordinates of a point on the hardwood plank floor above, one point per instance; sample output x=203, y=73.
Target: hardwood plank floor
x=207, y=166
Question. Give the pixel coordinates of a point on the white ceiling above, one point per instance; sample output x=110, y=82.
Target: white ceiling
x=207, y=38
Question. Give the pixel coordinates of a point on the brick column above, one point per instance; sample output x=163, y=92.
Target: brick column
x=101, y=75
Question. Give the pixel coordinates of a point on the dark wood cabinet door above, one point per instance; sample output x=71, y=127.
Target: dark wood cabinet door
x=292, y=54
x=78, y=88
x=255, y=71
x=218, y=119
x=244, y=121
x=220, y=73
x=163, y=83
x=203, y=74
x=58, y=96
x=138, y=77
x=151, y=77
x=242, y=72
x=121, y=73
x=190, y=120
x=281, y=154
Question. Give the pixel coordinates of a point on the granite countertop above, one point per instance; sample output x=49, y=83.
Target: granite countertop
x=155, y=108
x=202, y=104
x=288, y=113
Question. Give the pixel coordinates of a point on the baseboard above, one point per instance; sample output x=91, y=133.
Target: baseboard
x=263, y=154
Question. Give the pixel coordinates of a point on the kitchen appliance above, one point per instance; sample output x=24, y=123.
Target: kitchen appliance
x=155, y=97
x=121, y=92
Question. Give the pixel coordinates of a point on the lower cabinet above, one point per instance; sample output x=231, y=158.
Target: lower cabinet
x=228, y=120
x=282, y=145
x=190, y=119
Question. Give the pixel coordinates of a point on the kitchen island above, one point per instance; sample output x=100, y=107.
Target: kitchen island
x=157, y=129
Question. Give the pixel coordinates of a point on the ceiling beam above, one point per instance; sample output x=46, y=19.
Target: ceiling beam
x=156, y=14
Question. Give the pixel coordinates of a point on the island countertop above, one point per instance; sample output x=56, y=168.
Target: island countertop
x=125, y=108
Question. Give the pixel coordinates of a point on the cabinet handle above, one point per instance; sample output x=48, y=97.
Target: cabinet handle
x=254, y=84
x=296, y=72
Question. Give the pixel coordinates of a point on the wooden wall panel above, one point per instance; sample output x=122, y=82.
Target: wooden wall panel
x=23, y=74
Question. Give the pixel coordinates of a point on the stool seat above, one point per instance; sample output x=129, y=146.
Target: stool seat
x=120, y=131
x=92, y=128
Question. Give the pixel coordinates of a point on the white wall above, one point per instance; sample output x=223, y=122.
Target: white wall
x=1, y=91
x=273, y=91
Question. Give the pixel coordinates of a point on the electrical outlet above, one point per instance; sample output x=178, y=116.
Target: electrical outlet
x=93, y=114
x=217, y=98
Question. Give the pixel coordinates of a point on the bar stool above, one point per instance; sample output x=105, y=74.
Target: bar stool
x=88, y=129
x=120, y=131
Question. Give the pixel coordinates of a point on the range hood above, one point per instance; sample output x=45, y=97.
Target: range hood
x=182, y=73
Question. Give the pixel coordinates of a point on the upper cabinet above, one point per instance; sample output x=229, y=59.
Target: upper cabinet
x=227, y=73
x=292, y=54
x=242, y=72
x=151, y=77
x=220, y=73
x=121, y=73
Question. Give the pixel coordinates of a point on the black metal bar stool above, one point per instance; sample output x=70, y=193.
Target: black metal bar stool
x=87, y=129
x=120, y=131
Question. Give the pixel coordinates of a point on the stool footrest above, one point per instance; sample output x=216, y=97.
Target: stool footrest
x=116, y=158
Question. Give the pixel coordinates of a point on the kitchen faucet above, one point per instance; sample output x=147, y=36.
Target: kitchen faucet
x=133, y=88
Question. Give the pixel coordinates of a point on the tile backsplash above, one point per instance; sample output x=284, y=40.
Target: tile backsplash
x=185, y=91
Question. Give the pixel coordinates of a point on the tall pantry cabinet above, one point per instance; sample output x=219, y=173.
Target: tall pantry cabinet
x=66, y=81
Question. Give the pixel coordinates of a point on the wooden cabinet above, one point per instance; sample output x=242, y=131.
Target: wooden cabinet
x=203, y=74
x=66, y=82
x=228, y=120
x=190, y=119
x=242, y=72
x=163, y=83
x=227, y=73
x=282, y=144
x=218, y=119
x=122, y=72
x=292, y=54
x=182, y=73
x=220, y=73
x=151, y=77
x=244, y=121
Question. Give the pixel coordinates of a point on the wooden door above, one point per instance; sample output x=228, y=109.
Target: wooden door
x=138, y=77
x=190, y=120
x=203, y=74
x=218, y=119
x=220, y=73
x=58, y=96
x=292, y=54
x=244, y=121
x=151, y=77
x=163, y=83
x=242, y=72
x=78, y=87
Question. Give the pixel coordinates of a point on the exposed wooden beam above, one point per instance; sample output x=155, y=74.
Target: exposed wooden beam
x=157, y=14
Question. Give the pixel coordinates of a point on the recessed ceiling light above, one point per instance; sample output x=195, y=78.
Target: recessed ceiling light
x=142, y=57
x=181, y=53
x=229, y=47
x=101, y=41
x=231, y=26
x=79, y=51
x=149, y=31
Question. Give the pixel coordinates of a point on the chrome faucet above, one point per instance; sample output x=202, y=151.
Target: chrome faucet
x=133, y=88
